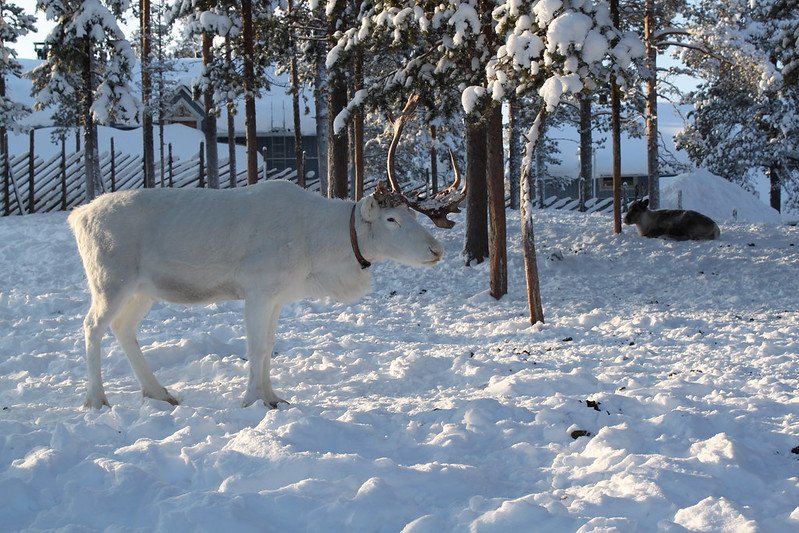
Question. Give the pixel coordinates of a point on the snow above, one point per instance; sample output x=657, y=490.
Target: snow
x=428, y=405
x=185, y=143
x=273, y=109
x=729, y=201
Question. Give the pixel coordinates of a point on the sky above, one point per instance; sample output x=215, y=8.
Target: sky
x=25, y=48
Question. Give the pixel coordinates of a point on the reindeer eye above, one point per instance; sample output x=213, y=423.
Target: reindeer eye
x=391, y=219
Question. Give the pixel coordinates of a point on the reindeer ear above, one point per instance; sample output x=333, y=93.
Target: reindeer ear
x=369, y=209
x=646, y=202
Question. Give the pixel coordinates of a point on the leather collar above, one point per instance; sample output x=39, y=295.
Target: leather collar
x=354, y=241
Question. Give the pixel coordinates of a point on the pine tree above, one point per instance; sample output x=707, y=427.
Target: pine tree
x=15, y=24
x=89, y=59
x=746, y=121
x=552, y=49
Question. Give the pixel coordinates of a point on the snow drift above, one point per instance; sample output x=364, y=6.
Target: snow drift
x=715, y=197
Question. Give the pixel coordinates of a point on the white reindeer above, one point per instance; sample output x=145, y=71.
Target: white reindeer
x=266, y=244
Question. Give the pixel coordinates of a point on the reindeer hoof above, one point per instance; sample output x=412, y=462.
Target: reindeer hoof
x=162, y=396
x=96, y=402
x=276, y=404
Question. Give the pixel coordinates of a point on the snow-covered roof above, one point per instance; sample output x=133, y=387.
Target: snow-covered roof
x=273, y=109
x=633, y=150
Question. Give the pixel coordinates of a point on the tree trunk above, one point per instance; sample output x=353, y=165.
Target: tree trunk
x=320, y=104
x=295, y=104
x=433, y=159
x=528, y=235
x=89, y=166
x=248, y=82
x=476, y=245
x=231, y=128
x=652, y=155
x=775, y=187
x=615, y=107
x=586, y=149
x=337, y=148
x=148, y=148
x=495, y=177
x=209, y=123
x=4, y=152
x=358, y=127
x=514, y=159
x=31, y=172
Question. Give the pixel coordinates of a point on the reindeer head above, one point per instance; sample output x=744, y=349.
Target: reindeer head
x=636, y=209
x=444, y=201
x=393, y=231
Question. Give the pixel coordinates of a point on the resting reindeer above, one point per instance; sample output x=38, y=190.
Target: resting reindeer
x=266, y=244
x=675, y=224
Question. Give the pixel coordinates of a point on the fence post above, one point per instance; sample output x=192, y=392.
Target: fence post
x=113, y=167
x=679, y=199
x=63, y=173
x=31, y=197
x=171, y=173
x=6, y=178
x=265, y=169
x=202, y=165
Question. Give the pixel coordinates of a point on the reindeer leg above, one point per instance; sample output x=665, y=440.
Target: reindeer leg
x=124, y=327
x=260, y=318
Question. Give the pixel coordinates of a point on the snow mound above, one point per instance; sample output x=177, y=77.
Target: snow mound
x=715, y=197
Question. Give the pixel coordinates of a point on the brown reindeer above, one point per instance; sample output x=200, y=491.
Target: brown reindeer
x=677, y=224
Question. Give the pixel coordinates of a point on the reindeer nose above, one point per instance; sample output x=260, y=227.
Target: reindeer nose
x=437, y=250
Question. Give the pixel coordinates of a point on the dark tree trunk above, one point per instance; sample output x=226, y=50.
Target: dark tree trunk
x=148, y=148
x=476, y=245
x=337, y=148
x=337, y=145
x=775, y=187
x=498, y=251
x=615, y=106
x=209, y=123
x=231, y=128
x=653, y=174
x=299, y=156
x=433, y=159
x=31, y=173
x=586, y=149
x=4, y=151
x=514, y=155
x=250, y=132
x=358, y=130
x=89, y=165
x=320, y=104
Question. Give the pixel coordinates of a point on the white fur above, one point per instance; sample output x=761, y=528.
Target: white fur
x=268, y=244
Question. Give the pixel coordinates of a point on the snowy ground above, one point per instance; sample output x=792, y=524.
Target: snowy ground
x=428, y=405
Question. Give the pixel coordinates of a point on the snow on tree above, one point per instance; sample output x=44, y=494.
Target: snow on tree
x=553, y=48
x=14, y=23
x=89, y=60
x=746, y=118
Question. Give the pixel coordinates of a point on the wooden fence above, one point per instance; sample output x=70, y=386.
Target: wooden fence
x=39, y=186
x=44, y=185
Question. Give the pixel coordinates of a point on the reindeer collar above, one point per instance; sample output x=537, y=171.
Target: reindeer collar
x=354, y=242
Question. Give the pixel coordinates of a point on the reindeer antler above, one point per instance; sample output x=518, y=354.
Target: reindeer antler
x=444, y=201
